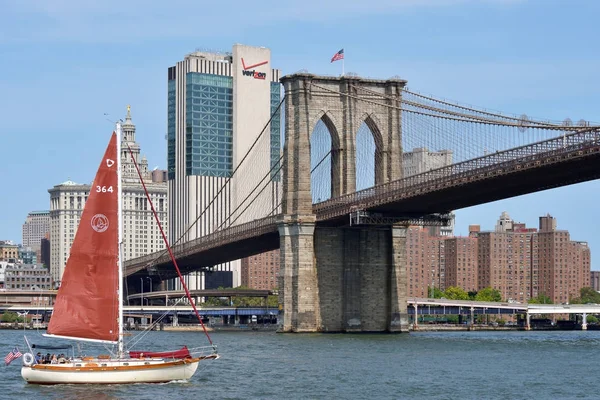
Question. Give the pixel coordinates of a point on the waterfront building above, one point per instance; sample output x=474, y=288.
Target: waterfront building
x=35, y=228
x=506, y=262
x=564, y=265
x=523, y=263
x=261, y=271
x=218, y=104
x=8, y=251
x=419, y=272
x=437, y=254
x=3, y=266
x=518, y=261
x=461, y=263
x=595, y=280
x=141, y=234
x=421, y=160
x=66, y=205
x=27, y=255
x=27, y=277
x=45, y=251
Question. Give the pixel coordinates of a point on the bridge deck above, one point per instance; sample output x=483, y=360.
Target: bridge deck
x=539, y=166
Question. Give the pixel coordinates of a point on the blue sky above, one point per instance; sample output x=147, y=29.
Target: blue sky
x=64, y=63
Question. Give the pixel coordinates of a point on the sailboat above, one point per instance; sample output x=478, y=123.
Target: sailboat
x=89, y=302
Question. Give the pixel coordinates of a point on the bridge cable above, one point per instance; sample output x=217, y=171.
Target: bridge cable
x=252, y=192
x=463, y=167
x=187, y=292
x=249, y=204
x=319, y=163
x=464, y=118
x=228, y=179
x=499, y=116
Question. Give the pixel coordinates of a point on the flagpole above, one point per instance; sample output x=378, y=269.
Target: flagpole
x=343, y=66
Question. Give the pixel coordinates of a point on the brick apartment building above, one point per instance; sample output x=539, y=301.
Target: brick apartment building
x=520, y=262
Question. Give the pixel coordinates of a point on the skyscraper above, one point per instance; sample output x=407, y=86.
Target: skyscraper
x=35, y=228
x=141, y=235
x=421, y=160
x=461, y=266
x=564, y=265
x=218, y=104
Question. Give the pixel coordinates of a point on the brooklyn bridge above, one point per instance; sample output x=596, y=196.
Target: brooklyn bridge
x=337, y=202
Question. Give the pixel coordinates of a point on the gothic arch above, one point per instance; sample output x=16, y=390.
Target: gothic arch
x=372, y=122
x=330, y=122
x=328, y=119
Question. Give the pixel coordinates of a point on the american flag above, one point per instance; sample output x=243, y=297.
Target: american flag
x=13, y=355
x=338, y=56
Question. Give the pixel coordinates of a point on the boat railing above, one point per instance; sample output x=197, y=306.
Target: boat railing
x=204, y=351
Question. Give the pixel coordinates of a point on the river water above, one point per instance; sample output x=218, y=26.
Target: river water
x=419, y=365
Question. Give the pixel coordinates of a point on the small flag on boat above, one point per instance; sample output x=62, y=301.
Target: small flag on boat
x=338, y=56
x=13, y=355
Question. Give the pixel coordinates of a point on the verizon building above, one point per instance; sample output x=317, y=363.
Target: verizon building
x=218, y=104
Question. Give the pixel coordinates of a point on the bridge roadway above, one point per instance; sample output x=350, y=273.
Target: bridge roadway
x=561, y=161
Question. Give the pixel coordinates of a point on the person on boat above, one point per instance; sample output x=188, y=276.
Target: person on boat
x=54, y=359
x=61, y=359
x=38, y=358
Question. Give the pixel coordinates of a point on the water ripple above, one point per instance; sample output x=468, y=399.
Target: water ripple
x=431, y=365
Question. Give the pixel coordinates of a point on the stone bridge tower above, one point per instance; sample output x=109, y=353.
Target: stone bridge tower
x=340, y=278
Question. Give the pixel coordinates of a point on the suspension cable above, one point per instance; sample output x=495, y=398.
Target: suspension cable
x=500, y=116
x=319, y=163
x=228, y=179
x=251, y=192
x=259, y=193
x=162, y=232
x=465, y=118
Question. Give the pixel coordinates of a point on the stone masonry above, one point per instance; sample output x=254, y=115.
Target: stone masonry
x=340, y=278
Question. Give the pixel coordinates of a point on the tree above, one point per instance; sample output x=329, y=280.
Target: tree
x=10, y=317
x=238, y=301
x=540, y=299
x=587, y=295
x=456, y=293
x=437, y=293
x=488, y=294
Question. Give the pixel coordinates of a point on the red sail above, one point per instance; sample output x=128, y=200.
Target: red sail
x=87, y=302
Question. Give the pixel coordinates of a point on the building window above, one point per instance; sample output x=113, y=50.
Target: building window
x=209, y=125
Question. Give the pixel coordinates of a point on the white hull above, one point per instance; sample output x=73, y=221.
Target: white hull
x=111, y=372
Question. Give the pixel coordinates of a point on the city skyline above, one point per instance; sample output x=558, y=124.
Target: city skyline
x=503, y=59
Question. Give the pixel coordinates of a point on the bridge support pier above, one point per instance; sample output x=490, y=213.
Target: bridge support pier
x=339, y=279
x=584, y=322
x=343, y=279
x=398, y=282
x=298, y=291
x=362, y=279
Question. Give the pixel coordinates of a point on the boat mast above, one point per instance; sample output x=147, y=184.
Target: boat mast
x=120, y=241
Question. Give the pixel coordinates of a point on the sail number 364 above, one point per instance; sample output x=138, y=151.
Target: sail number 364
x=104, y=189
